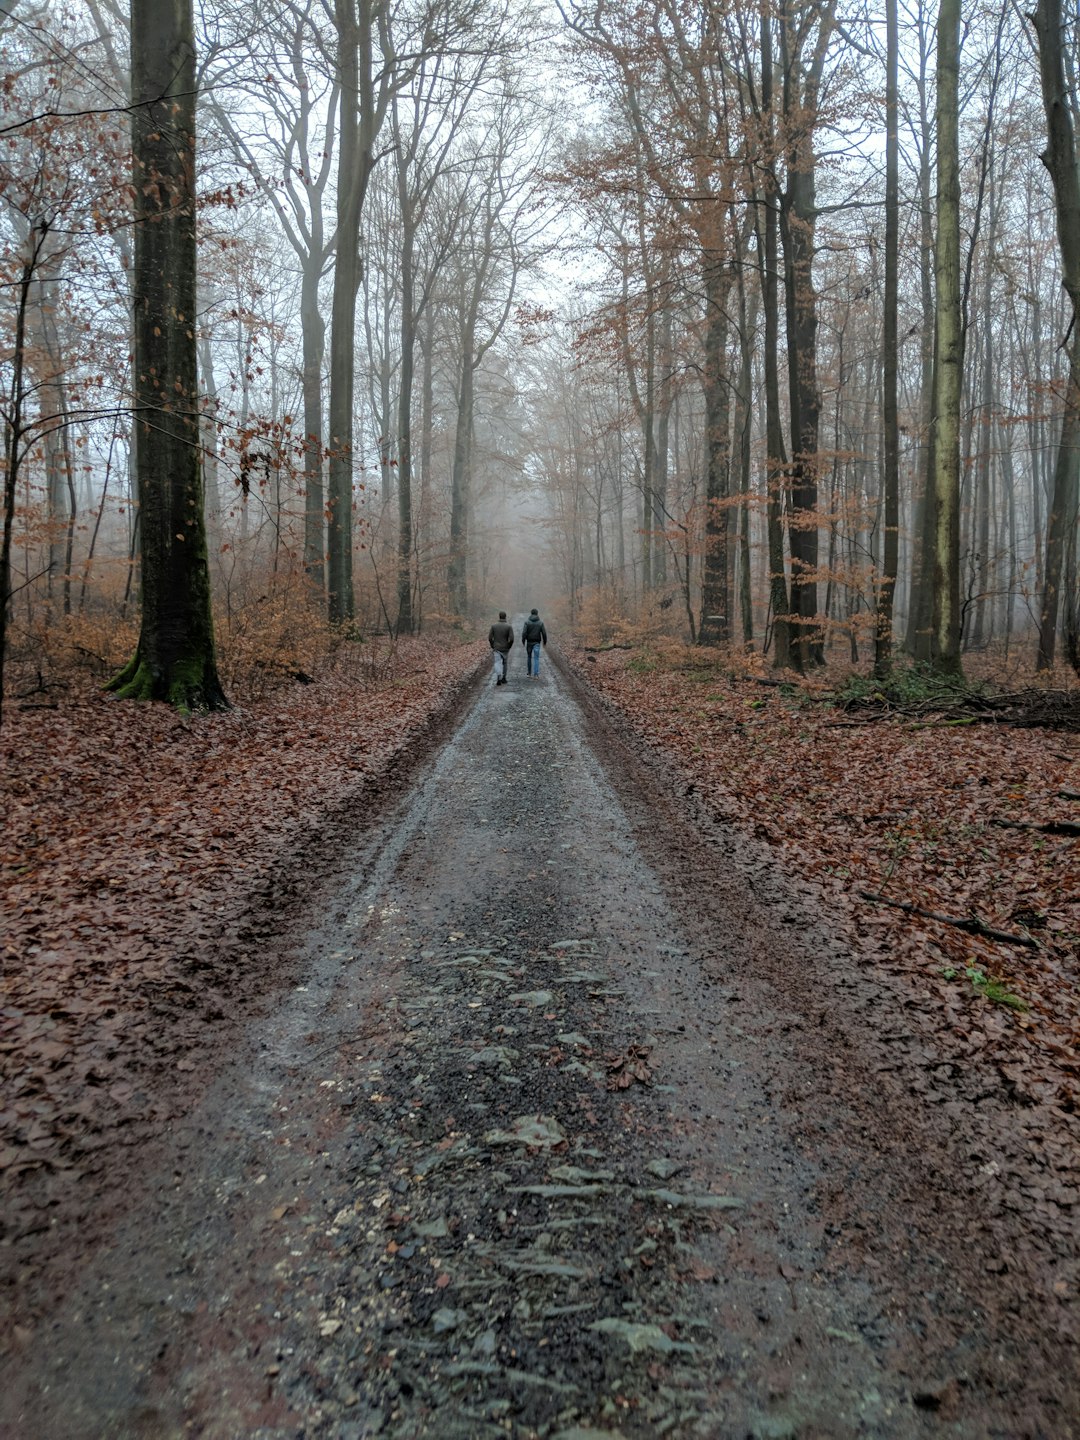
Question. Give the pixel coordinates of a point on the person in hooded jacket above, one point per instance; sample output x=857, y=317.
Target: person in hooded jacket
x=533, y=635
x=501, y=640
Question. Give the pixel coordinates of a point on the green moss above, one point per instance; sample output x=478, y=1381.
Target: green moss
x=192, y=684
x=186, y=686
x=134, y=681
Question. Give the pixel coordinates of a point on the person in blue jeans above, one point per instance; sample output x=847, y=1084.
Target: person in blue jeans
x=533, y=636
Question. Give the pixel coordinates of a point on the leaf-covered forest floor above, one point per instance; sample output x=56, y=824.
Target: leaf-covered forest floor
x=917, y=804
x=145, y=860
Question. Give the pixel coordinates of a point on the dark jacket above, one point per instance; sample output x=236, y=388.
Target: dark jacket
x=532, y=632
x=501, y=636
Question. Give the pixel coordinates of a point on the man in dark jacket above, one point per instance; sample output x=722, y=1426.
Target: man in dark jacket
x=501, y=640
x=533, y=635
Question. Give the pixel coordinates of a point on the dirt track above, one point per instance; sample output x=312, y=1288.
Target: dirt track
x=576, y=1125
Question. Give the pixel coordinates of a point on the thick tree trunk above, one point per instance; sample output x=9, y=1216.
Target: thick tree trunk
x=798, y=219
x=949, y=348
x=362, y=111
x=352, y=182
x=1060, y=160
x=175, y=656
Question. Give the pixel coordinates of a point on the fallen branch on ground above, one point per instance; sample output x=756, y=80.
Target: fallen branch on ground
x=1050, y=827
x=973, y=925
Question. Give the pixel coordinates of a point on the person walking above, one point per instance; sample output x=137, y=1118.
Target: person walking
x=533, y=635
x=501, y=640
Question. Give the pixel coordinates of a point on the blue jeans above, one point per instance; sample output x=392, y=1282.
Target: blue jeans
x=499, y=659
x=532, y=657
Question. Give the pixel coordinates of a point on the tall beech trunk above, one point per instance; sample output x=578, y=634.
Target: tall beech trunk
x=798, y=221
x=784, y=653
x=59, y=460
x=352, y=181
x=883, y=638
x=314, y=348
x=920, y=624
x=715, y=625
x=1060, y=159
x=15, y=432
x=665, y=364
x=948, y=376
x=981, y=623
x=643, y=398
x=743, y=432
x=457, y=570
x=404, y=623
x=363, y=109
x=174, y=660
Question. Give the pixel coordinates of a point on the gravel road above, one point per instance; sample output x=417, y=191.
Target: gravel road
x=573, y=1128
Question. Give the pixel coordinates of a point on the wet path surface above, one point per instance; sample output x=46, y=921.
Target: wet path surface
x=530, y=1153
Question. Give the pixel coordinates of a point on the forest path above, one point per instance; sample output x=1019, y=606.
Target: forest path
x=537, y=1149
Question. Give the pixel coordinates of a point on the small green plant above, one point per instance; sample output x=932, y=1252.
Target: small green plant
x=991, y=989
x=899, y=845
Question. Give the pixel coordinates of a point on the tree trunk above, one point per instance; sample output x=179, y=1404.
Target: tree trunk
x=174, y=660
x=363, y=108
x=314, y=342
x=457, y=573
x=715, y=624
x=743, y=438
x=663, y=383
x=352, y=181
x=920, y=621
x=1060, y=160
x=784, y=652
x=891, y=432
x=404, y=416
x=14, y=435
x=798, y=220
x=949, y=347
x=981, y=619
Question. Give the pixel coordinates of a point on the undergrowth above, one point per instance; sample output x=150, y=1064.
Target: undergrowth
x=913, y=684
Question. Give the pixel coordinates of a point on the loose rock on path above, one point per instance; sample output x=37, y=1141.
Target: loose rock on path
x=551, y=1142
